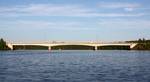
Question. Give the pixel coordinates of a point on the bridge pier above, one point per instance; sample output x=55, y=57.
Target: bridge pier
x=49, y=48
x=95, y=48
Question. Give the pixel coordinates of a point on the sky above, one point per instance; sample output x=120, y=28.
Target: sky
x=74, y=20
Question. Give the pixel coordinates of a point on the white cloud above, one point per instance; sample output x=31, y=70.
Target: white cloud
x=129, y=9
x=30, y=25
x=45, y=10
x=124, y=23
x=60, y=10
x=115, y=14
x=117, y=5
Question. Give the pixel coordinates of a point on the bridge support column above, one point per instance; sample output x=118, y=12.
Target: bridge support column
x=49, y=47
x=95, y=48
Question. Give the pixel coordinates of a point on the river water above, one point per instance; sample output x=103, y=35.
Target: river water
x=75, y=66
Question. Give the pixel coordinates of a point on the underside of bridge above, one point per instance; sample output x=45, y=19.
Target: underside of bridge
x=113, y=47
x=29, y=47
x=72, y=47
x=60, y=47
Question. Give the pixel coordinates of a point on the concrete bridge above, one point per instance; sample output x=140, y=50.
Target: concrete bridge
x=50, y=45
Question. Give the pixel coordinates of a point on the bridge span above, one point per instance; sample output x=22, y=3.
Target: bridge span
x=50, y=45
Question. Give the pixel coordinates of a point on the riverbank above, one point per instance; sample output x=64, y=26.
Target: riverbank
x=143, y=44
x=3, y=45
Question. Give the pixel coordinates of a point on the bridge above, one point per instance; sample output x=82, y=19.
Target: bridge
x=91, y=44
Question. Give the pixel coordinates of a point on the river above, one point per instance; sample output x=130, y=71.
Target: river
x=75, y=66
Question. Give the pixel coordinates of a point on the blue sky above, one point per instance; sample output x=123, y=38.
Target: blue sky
x=74, y=20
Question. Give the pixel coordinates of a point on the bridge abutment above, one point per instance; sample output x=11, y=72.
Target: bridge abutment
x=10, y=46
x=133, y=45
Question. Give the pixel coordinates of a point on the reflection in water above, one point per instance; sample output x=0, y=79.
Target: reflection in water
x=75, y=66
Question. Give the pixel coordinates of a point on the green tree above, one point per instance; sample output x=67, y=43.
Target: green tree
x=144, y=40
x=140, y=40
